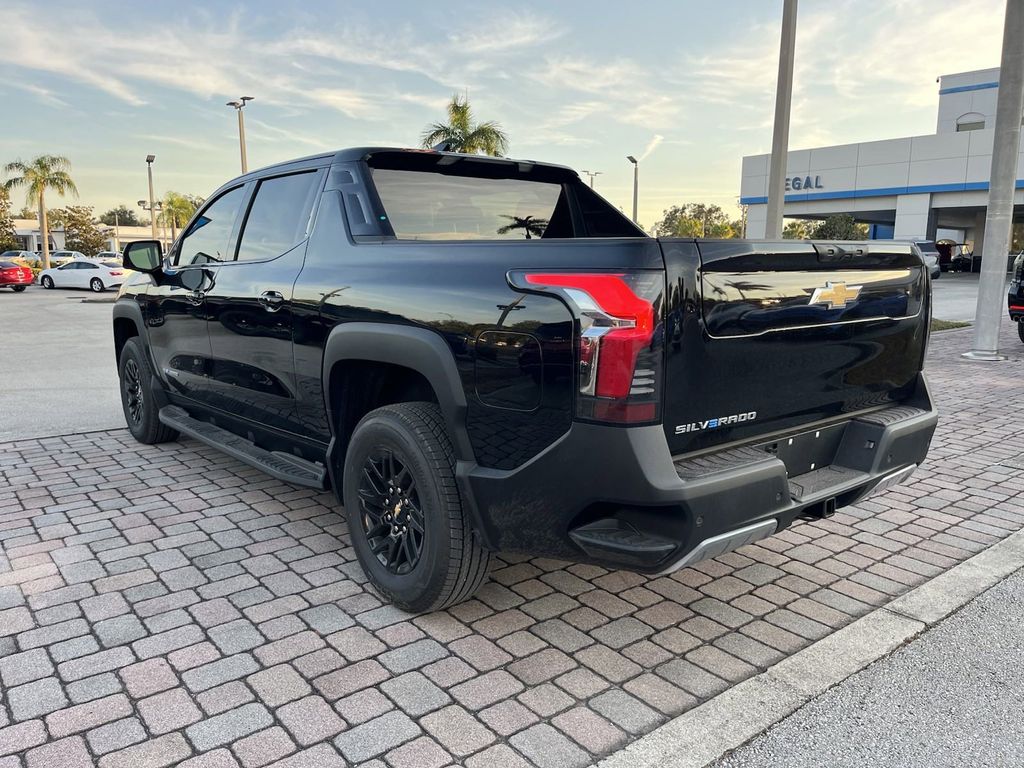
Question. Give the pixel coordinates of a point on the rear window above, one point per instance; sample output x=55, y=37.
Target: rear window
x=9, y=265
x=112, y=264
x=431, y=206
x=927, y=246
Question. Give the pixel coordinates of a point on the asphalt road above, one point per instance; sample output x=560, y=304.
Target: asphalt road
x=956, y=297
x=57, y=373
x=952, y=697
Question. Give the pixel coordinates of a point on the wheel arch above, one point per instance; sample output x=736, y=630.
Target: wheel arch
x=127, y=324
x=422, y=354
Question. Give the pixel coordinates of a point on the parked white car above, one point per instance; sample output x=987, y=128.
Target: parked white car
x=63, y=257
x=84, y=273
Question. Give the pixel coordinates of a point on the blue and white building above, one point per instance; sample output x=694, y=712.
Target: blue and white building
x=932, y=187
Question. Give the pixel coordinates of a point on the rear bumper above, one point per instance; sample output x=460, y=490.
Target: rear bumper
x=615, y=496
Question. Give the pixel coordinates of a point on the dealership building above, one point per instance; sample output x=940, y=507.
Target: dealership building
x=932, y=187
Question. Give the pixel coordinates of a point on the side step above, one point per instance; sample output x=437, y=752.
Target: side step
x=611, y=539
x=283, y=466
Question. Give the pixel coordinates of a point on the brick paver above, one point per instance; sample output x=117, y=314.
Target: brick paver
x=166, y=604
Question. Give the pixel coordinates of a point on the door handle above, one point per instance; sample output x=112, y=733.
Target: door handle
x=195, y=297
x=271, y=300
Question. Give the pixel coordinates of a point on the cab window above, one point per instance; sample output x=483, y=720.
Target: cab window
x=208, y=238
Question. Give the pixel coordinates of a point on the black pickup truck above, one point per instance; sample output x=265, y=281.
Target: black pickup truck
x=481, y=354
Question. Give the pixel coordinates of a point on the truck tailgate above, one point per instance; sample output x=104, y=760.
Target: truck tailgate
x=765, y=338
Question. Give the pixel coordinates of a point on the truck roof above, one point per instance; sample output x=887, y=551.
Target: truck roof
x=355, y=154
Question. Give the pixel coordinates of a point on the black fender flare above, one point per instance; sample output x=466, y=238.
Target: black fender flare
x=420, y=349
x=129, y=310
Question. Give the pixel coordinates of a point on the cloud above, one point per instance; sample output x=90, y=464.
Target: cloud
x=651, y=146
x=506, y=33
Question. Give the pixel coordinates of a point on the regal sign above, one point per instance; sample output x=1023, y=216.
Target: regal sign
x=803, y=182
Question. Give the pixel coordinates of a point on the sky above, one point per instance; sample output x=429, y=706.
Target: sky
x=687, y=86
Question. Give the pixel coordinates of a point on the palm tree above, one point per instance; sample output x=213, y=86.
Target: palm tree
x=461, y=135
x=531, y=226
x=43, y=173
x=176, y=210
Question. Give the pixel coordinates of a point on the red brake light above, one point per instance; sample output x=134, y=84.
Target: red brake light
x=619, y=365
x=628, y=327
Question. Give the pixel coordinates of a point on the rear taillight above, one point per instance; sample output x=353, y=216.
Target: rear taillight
x=619, y=356
x=116, y=272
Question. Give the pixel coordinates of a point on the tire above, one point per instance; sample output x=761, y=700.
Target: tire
x=1020, y=329
x=140, y=411
x=96, y=285
x=47, y=281
x=442, y=563
x=18, y=288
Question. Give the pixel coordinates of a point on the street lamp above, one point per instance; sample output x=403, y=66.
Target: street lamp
x=239, y=104
x=592, y=174
x=636, y=182
x=149, y=170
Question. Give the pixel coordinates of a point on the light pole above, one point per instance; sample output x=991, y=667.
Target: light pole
x=153, y=208
x=636, y=182
x=239, y=105
x=999, y=216
x=780, y=135
x=592, y=174
x=149, y=170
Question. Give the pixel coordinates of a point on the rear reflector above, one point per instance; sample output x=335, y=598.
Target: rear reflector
x=619, y=364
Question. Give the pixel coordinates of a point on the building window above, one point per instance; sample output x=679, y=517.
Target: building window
x=972, y=121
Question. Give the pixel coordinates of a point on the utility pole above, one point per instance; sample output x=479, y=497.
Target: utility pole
x=636, y=182
x=152, y=214
x=780, y=135
x=239, y=105
x=999, y=218
x=592, y=174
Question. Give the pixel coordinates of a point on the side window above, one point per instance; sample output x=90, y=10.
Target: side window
x=278, y=216
x=207, y=239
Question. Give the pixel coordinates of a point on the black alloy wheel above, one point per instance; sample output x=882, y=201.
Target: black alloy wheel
x=132, y=392
x=390, y=511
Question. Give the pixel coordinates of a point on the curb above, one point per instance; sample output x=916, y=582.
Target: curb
x=746, y=710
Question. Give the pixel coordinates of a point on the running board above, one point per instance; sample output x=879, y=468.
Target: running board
x=282, y=466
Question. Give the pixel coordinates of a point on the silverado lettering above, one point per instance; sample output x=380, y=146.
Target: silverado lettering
x=721, y=421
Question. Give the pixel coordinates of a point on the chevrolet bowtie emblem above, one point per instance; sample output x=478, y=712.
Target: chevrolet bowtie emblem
x=835, y=294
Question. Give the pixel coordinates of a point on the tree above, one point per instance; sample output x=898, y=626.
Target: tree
x=462, y=135
x=81, y=232
x=36, y=177
x=26, y=213
x=839, y=226
x=8, y=237
x=531, y=226
x=797, y=229
x=177, y=209
x=122, y=216
x=696, y=220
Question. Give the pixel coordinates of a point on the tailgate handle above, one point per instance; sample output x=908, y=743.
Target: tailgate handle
x=832, y=252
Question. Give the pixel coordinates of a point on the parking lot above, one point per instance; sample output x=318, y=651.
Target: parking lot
x=161, y=604
x=58, y=373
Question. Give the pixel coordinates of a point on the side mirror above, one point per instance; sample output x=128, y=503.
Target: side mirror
x=144, y=256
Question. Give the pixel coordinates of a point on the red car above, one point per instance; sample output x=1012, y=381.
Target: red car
x=14, y=275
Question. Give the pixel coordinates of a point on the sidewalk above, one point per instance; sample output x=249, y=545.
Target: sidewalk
x=952, y=697
x=164, y=605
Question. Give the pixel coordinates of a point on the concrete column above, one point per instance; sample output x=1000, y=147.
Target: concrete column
x=912, y=216
x=991, y=308
x=757, y=219
x=780, y=135
x=979, y=232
